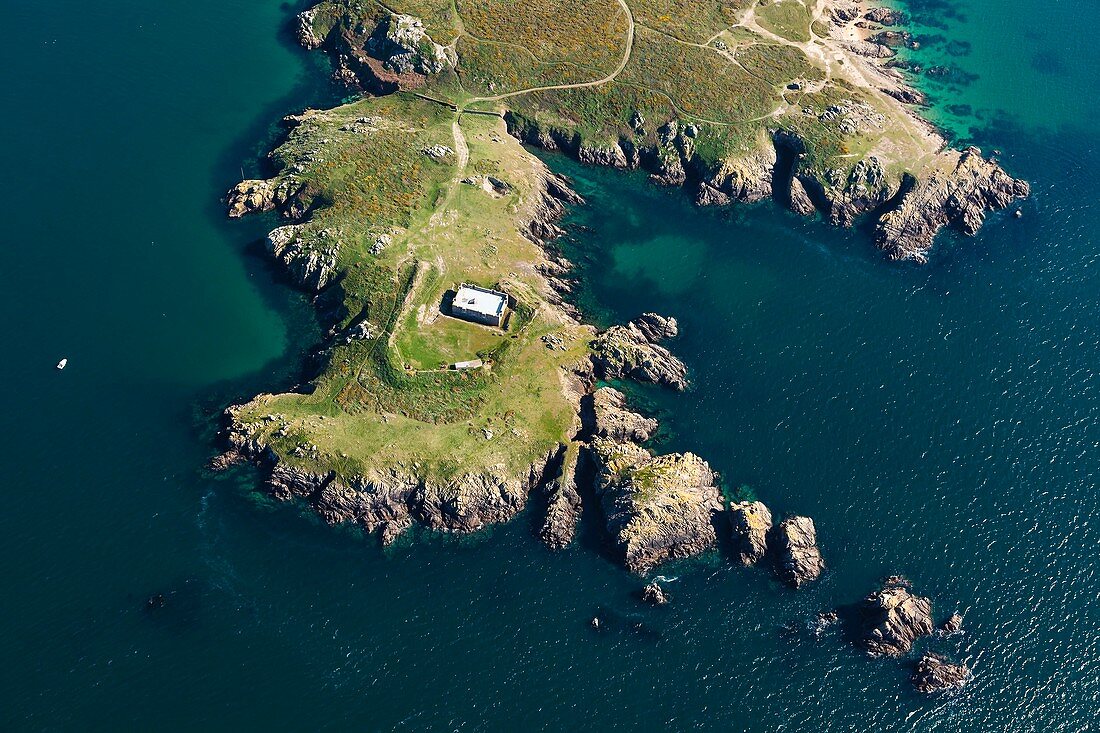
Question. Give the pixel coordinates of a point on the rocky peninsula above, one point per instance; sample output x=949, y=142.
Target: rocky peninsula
x=389, y=203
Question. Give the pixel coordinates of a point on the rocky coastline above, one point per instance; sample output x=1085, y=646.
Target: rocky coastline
x=654, y=508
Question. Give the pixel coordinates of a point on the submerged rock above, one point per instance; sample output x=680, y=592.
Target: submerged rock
x=935, y=674
x=657, y=508
x=797, y=560
x=632, y=351
x=750, y=523
x=893, y=618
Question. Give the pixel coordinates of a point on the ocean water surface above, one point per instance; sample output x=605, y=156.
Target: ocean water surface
x=942, y=421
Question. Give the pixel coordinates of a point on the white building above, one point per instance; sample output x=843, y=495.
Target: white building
x=480, y=305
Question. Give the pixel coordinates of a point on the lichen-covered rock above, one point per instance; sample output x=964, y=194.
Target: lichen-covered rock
x=747, y=178
x=254, y=196
x=615, y=421
x=657, y=508
x=893, y=618
x=935, y=674
x=750, y=522
x=309, y=257
x=796, y=558
x=632, y=351
x=403, y=46
x=957, y=192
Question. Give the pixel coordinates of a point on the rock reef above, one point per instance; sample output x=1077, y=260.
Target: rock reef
x=657, y=508
x=935, y=674
x=633, y=351
x=797, y=559
x=750, y=523
x=893, y=618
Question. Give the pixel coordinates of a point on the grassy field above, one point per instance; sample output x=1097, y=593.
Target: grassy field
x=370, y=407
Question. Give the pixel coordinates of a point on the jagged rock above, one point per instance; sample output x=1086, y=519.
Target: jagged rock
x=611, y=156
x=952, y=625
x=907, y=95
x=935, y=674
x=555, y=193
x=958, y=192
x=563, y=506
x=632, y=351
x=750, y=523
x=747, y=178
x=871, y=50
x=845, y=13
x=793, y=543
x=403, y=46
x=655, y=594
x=800, y=200
x=261, y=195
x=852, y=193
x=657, y=508
x=224, y=461
x=615, y=421
x=307, y=36
x=883, y=16
x=311, y=261
x=893, y=618
x=892, y=38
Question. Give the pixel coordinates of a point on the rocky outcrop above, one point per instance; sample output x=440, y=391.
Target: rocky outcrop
x=958, y=192
x=657, y=508
x=952, y=625
x=893, y=618
x=256, y=196
x=654, y=594
x=309, y=258
x=883, y=16
x=795, y=556
x=935, y=674
x=633, y=351
x=750, y=522
x=403, y=46
x=800, y=201
x=540, y=222
x=613, y=420
x=563, y=506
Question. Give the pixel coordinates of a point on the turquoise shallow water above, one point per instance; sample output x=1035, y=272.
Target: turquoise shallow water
x=939, y=421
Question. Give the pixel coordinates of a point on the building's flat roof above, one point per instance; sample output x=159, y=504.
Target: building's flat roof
x=479, y=300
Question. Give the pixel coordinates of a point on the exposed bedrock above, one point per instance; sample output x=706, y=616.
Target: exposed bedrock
x=796, y=558
x=657, y=508
x=955, y=189
x=958, y=193
x=935, y=673
x=389, y=501
x=610, y=418
x=633, y=351
x=563, y=505
x=750, y=522
x=893, y=618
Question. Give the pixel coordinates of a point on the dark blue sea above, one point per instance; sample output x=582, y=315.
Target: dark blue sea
x=942, y=422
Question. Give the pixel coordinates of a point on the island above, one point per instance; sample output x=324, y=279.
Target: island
x=458, y=385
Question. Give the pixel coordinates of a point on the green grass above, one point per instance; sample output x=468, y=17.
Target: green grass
x=366, y=411
x=788, y=19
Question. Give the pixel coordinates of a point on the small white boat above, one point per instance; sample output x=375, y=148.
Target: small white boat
x=61, y=364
